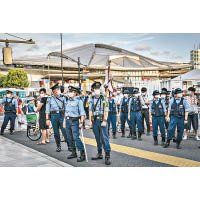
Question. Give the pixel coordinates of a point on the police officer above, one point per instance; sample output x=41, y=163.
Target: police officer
x=135, y=114
x=157, y=111
x=112, y=115
x=11, y=111
x=98, y=113
x=145, y=109
x=124, y=113
x=74, y=111
x=55, y=110
x=178, y=116
x=165, y=98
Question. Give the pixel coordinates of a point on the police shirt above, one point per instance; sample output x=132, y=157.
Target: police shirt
x=14, y=101
x=134, y=98
x=100, y=106
x=114, y=101
x=54, y=104
x=74, y=108
x=178, y=100
x=125, y=101
x=156, y=101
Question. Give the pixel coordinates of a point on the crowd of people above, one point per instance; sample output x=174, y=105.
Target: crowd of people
x=170, y=114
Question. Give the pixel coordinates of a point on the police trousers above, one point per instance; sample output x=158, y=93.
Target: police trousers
x=123, y=119
x=57, y=123
x=101, y=135
x=136, y=119
x=73, y=133
x=158, y=122
x=176, y=121
x=9, y=117
x=112, y=118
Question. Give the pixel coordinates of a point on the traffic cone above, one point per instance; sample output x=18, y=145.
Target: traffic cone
x=151, y=126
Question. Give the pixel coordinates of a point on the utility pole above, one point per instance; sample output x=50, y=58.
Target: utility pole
x=79, y=73
x=61, y=58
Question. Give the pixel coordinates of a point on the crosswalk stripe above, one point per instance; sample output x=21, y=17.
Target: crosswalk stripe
x=158, y=157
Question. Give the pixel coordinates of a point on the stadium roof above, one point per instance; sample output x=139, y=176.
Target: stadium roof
x=95, y=56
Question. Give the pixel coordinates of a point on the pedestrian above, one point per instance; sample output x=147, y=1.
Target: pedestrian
x=41, y=108
x=192, y=114
x=177, y=116
x=98, y=113
x=145, y=109
x=112, y=115
x=73, y=113
x=135, y=114
x=124, y=114
x=55, y=110
x=157, y=111
x=10, y=111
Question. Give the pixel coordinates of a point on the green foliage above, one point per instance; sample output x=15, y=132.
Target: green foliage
x=16, y=78
x=2, y=78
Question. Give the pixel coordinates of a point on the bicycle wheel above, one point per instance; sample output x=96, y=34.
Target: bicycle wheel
x=34, y=134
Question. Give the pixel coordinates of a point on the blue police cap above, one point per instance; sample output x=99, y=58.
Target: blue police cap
x=55, y=86
x=126, y=92
x=178, y=90
x=72, y=89
x=96, y=85
x=9, y=92
x=156, y=92
x=164, y=89
x=135, y=91
x=164, y=92
x=144, y=89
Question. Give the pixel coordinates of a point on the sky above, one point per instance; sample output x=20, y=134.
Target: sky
x=171, y=47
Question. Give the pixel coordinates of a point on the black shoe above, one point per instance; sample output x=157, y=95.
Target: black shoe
x=98, y=156
x=107, y=158
x=123, y=133
x=72, y=155
x=114, y=135
x=148, y=134
x=174, y=140
x=155, y=140
x=139, y=136
x=163, y=141
x=11, y=132
x=178, y=145
x=58, y=146
x=82, y=156
x=166, y=145
x=134, y=136
x=2, y=133
x=130, y=134
x=69, y=149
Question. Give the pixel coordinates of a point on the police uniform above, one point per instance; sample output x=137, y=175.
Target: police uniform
x=124, y=114
x=56, y=108
x=96, y=106
x=135, y=107
x=166, y=100
x=158, y=109
x=73, y=111
x=112, y=116
x=177, y=107
x=10, y=106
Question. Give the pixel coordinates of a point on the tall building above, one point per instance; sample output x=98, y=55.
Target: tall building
x=195, y=58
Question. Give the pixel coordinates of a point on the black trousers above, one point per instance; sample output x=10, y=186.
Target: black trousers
x=145, y=116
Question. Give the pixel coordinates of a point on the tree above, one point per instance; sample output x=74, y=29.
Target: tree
x=16, y=78
x=2, y=78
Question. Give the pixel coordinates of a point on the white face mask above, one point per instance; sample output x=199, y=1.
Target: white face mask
x=71, y=94
x=93, y=93
x=58, y=92
x=179, y=95
x=163, y=96
x=156, y=96
x=8, y=95
x=118, y=92
x=97, y=92
x=42, y=95
x=126, y=95
x=189, y=93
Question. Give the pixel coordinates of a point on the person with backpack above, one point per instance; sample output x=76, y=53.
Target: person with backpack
x=157, y=111
x=11, y=111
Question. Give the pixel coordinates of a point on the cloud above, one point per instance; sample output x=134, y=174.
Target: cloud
x=166, y=53
x=33, y=48
x=142, y=48
x=155, y=53
x=177, y=57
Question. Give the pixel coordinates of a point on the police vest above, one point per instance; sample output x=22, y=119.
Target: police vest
x=157, y=109
x=9, y=106
x=112, y=107
x=177, y=109
x=124, y=106
x=136, y=105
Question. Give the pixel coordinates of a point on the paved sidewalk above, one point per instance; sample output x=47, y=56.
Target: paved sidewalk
x=13, y=154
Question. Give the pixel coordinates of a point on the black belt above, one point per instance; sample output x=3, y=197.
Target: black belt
x=73, y=118
x=55, y=112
